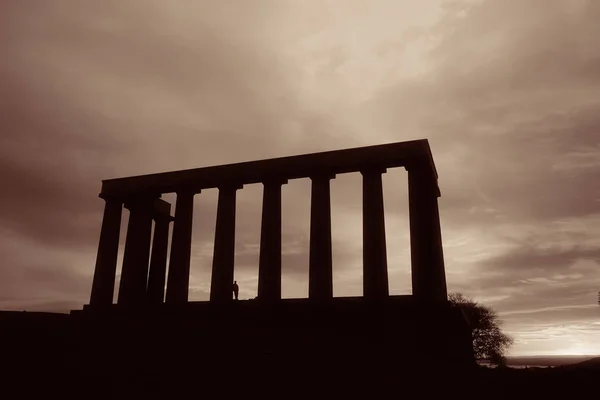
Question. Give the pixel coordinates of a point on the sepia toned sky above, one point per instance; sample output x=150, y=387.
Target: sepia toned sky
x=506, y=93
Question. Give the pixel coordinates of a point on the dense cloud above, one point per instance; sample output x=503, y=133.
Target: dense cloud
x=506, y=94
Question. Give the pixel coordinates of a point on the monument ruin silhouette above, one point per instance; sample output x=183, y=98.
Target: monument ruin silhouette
x=143, y=273
x=418, y=326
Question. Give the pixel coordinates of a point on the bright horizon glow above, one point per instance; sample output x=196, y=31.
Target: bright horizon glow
x=582, y=349
x=590, y=355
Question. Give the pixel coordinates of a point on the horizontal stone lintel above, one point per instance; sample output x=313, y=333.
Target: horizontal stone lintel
x=392, y=155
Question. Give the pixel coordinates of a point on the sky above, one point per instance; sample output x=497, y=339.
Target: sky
x=505, y=92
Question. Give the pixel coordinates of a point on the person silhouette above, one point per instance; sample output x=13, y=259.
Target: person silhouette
x=236, y=289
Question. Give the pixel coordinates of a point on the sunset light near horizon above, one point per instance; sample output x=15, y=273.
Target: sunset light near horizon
x=506, y=94
x=564, y=341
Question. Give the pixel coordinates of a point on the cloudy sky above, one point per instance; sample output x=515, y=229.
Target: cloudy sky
x=506, y=93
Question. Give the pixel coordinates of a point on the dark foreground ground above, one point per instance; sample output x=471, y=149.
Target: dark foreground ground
x=273, y=377
x=110, y=361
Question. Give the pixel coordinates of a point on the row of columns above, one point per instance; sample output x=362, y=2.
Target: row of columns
x=143, y=275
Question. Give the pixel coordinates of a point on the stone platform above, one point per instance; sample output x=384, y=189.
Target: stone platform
x=208, y=344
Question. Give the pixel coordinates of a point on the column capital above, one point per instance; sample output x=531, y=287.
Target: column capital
x=373, y=170
x=275, y=181
x=143, y=202
x=109, y=197
x=421, y=163
x=322, y=177
x=187, y=192
x=230, y=186
x=421, y=176
x=415, y=163
x=161, y=208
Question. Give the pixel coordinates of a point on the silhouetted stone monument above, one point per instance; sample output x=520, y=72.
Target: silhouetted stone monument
x=141, y=195
x=410, y=326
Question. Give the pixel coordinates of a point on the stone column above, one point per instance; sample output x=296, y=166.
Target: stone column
x=224, y=250
x=103, y=285
x=158, y=260
x=181, y=247
x=427, y=257
x=375, y=275
x=134, y=274
x=269, y=264
x=320, y=283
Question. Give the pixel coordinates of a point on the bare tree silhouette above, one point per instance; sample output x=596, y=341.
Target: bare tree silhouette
x=489, y=342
